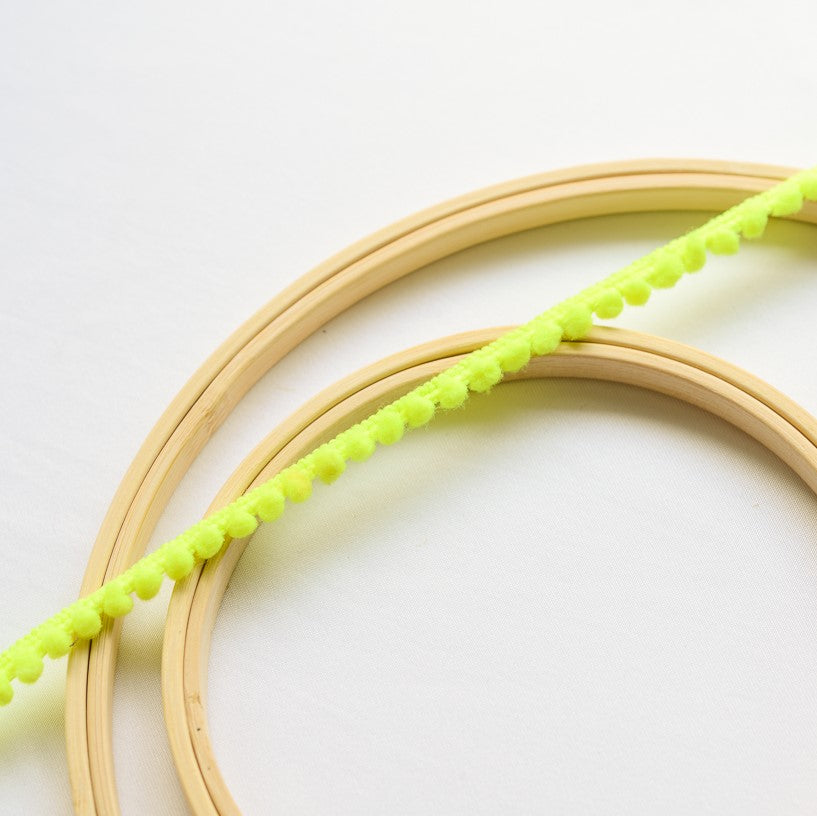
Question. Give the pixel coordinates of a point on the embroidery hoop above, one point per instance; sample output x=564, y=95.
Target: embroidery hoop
x=607, y=354
x=299, y=311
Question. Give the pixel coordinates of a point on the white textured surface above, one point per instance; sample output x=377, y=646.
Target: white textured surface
x=569, y=598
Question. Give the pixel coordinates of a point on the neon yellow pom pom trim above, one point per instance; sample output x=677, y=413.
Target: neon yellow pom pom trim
x=479, y=371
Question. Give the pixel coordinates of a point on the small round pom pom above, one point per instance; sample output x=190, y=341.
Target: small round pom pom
x=546, y=337
x=514, y=355
x=329, y=464
x=240, y=523
x=483, y=373
x=359, y=444
x=636, y=292
x=753, y=220
x=56, y=641
x=6, y=690
x=28, y=665
x=178, y=561
x=147, y=579
x=723, y=242
x=388, y=426
x=808, y=185
x=667, y=270
x=788, y=200
x=269, y=503
x=417, y=409
x=296, y=484
x=86, y=621
x=609, y=304
x=577, y=322
x=116, y=601
x=209, y=539
x=451, y=391
x=693, y=254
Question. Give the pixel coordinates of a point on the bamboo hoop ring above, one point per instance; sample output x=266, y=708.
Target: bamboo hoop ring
x=301, y=309
x=612, y=355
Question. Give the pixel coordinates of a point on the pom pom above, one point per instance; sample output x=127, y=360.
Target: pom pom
x=388, y=426
x=546, y=337
x=636, y=292
x=451, y=391
x=753, y=220
x=239, y=523
x=666, y=271
x=808, y=185
x=328, y=463
x=417, y=409
x=514, y=354
x=85, y=621
x=55, y=640
x=788, y=200
x=723, y=242
x=578, y=320
x=483, y=373
x=296, y=484
x=358, y=443
x=147, y=579
x=269, y=503
x=208, y=539
x=27, y=663
x=178, y=561
x=693, y=255
x=6, y=691
x=116, y=602
x=609, y=304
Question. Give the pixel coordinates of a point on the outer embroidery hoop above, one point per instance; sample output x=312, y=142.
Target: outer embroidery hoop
x=299, y=311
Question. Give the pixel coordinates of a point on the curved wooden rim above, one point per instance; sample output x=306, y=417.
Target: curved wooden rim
x=608, y=354
x=299, y=311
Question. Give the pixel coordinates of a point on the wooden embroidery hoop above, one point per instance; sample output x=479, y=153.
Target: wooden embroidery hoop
x=295, y=314
x=608, y=354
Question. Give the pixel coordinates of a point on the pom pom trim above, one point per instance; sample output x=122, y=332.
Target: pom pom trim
x=478, y=371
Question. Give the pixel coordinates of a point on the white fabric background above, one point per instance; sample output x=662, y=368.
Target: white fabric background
x=569, y=598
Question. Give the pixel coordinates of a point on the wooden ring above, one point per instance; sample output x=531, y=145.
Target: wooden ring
x=301, y=309
x=607, y=354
